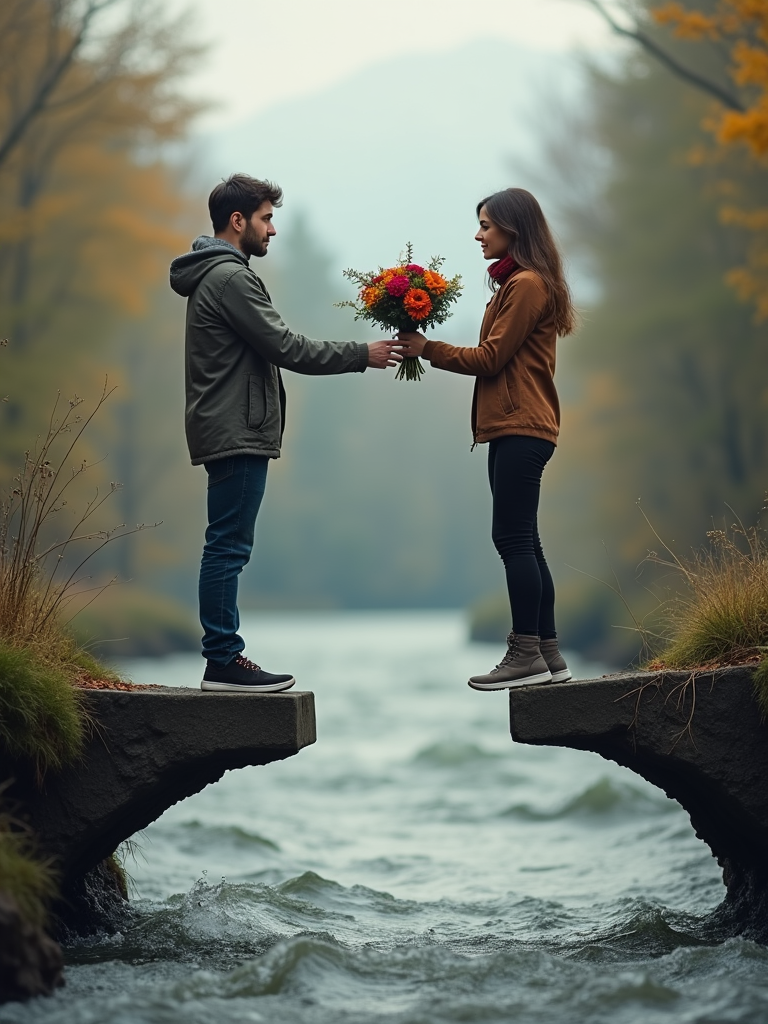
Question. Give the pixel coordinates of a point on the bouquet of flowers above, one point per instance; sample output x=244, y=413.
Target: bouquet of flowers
x=407, y=297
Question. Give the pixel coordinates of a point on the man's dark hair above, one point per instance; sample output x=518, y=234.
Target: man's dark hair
x=240, y=193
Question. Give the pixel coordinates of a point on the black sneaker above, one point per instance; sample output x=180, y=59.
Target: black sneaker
x=243, y=676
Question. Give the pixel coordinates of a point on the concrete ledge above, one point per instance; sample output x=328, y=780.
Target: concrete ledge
x=150, y=749
x=700, y=738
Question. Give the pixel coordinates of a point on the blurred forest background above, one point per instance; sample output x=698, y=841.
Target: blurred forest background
x=377, y=501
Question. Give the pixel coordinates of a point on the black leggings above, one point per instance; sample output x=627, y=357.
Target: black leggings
x=515, y=465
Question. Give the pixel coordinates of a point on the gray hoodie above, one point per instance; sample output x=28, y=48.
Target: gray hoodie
x=235, y=344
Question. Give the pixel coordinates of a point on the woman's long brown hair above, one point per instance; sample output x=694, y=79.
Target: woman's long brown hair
x=532, y=247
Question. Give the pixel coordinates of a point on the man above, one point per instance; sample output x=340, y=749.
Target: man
x=236, y=344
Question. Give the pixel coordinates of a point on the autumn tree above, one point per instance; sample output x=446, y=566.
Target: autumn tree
x=728, y=62
x=87, y=207
x=91, y=211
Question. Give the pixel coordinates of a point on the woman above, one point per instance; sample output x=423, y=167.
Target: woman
x=516, y=410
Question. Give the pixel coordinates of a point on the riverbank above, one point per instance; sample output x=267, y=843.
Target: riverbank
x=146, y=749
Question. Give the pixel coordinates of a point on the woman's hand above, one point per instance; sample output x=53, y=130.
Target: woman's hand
x=411, y=343
x=384, y=353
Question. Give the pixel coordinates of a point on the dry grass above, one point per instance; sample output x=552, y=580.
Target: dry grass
x=38, y=574
x=722, y=618
x=760, y=682
x=42, y=714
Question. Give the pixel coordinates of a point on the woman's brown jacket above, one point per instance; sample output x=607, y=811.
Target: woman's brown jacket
x=514, y=363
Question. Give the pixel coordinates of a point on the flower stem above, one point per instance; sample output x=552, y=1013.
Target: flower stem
x=410, y=369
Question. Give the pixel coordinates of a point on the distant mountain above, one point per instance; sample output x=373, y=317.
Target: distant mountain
x=402, y=152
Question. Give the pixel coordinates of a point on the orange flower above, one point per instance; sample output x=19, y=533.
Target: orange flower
x=370, y=296
x=417, y=303
x=435, y=282
x=387, y=275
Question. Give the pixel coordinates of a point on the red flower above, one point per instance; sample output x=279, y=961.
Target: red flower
x=415, y=268
x=398, y=285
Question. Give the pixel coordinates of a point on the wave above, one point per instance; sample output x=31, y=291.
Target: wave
x=606, y=799
x=318, y=966
x=243, y=919
x=636, y=928
x=645, y=960
x=228, y=835
x=224, y=922
x=313, y=978
x=337, y=898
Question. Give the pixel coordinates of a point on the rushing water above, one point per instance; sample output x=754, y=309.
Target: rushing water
x=414, y=866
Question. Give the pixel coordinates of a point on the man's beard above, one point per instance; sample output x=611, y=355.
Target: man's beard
x=252, y=244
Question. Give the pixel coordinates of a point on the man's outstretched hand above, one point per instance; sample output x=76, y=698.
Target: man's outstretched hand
x=382, y=354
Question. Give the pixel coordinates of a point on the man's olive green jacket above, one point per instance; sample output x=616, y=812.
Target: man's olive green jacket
x=236, y=344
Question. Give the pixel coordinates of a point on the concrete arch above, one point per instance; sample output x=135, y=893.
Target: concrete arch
x=700, y=737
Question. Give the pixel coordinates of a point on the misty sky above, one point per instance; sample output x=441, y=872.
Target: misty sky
x=266, y=51
x=295, y=83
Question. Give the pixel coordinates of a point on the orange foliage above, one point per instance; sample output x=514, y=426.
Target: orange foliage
x=688, y=24
x=89, y=212
x=741, y=26
x=90, y=215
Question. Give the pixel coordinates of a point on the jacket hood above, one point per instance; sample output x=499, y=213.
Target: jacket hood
x=187, y=271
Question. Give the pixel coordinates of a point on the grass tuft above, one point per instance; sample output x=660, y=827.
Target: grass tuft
x=42, y=714
x=42, y=717
x=760, y=683
x=31, y=881
x=116, y=868
x=722, y=619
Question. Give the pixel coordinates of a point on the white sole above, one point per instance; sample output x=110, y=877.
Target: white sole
x=243, y=688
x=564, y=676
x=512, y=684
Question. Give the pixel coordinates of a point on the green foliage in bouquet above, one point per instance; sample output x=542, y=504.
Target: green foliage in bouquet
x=407, y=297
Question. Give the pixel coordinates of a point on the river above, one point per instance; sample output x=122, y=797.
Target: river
x=413, y=867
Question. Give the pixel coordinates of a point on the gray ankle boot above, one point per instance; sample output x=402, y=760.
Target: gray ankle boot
x=550, y=652
x=520, y=666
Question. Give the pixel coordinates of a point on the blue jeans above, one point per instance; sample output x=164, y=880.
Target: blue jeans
x=235, y=489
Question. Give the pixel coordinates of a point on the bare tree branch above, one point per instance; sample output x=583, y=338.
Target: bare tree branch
x=55, y=69
x=701, y=82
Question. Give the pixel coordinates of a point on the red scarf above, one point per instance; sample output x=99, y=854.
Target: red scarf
x=501, y=269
